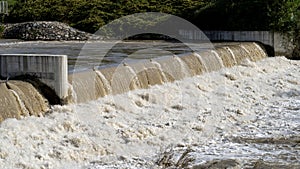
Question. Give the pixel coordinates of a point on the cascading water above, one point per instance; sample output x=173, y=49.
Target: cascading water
x=200, y=59
x=149, y=73
x=143, y=74
x=226, y=56
x=218, y=58
x=230, y=52
x=21, y=98
x=122, y=78
x=173, y=68
x=211, y=61
x=34, y=102
x=22, y=108
x=105, y=82
x=195, y=65
x=161, y=72
x=238, y=53
x=87, y=86
x=184, y=68
x=8, y=104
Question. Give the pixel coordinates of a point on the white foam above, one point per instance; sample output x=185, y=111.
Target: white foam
x=132, y=129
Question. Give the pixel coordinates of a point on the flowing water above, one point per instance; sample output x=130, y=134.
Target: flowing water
x=231, y=116
x=99, y=68
x=101, y=52
x=143, y=73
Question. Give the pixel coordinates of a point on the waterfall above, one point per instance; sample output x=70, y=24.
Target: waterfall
x=161, y=72
x=135, y=82
x=173, y=68
x=218, y=58
x=150, y=73
x=121, y=78
x=211, y=61
x=227, y=56
x=105, y=82
x=204, y=66
x=239, y=53
x=9, y=106
x=184, y=68
x=87, y=86
x=260, y=51
x=194, y=63
x=232, y=54
x=18, y=98
x=22, y=108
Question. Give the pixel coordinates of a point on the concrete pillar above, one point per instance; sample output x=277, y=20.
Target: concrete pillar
x=50, y=69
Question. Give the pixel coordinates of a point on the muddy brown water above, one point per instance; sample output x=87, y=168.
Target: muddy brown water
x=97, y=69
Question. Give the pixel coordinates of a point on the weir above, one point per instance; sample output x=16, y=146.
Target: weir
x=49, y=69
x=22, y=98
x=277, y=43
x=143, y=74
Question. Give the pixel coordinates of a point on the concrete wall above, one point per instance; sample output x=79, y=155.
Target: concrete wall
x=50, y=69
x=261, y=36
x=282, y=45
x=276, y=40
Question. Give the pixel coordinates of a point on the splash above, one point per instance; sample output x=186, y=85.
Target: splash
x=124, y=77
x=20, y=99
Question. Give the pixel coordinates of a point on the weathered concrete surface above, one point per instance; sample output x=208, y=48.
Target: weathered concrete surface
x=265, y=37
x=50, y=69
x=279, y=42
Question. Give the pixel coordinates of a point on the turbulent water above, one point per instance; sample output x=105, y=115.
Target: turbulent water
x=19, y=99
x=142, y=73
x=246, y=116
x=243, y=116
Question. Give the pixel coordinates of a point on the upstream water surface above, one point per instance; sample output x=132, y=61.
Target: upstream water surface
x=83, y=55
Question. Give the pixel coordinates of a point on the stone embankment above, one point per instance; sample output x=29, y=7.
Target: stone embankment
x=44, y=30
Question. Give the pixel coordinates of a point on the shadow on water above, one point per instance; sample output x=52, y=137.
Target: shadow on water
x=42, y=88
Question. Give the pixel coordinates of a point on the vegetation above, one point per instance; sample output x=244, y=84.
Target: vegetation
x=1, y=30
x=89, y=15
x=285, y=18
x=234, y=15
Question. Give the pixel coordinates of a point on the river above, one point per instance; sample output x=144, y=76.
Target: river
x=100, y=52
x=247, y=116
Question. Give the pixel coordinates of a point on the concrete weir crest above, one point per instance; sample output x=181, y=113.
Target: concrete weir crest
x=49, y=69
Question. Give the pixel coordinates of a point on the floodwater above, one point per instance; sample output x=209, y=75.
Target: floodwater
x=87, y=55
x=246, y=116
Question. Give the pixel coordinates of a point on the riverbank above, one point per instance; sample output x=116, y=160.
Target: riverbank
x=237, y=117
